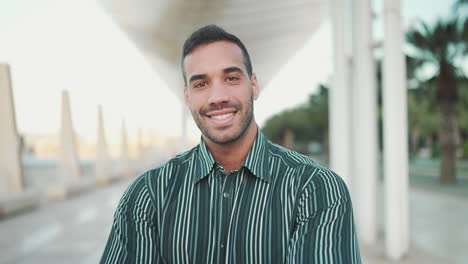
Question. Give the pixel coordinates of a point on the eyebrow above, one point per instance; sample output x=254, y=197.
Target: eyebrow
x=232, y=69
x=197, y=77
x=225, y=71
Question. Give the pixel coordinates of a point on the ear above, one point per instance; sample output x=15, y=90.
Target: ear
x=256, y=89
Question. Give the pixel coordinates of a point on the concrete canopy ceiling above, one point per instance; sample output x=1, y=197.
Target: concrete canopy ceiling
x=272, y=30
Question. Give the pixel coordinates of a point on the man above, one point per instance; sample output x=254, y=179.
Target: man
x=236, y=197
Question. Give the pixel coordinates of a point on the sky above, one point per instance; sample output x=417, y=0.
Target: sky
x=73, y=45
x=53, y=45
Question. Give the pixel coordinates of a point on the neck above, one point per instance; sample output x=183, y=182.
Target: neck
x=232, y=155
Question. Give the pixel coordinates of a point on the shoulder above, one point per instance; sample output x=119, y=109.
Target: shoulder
x=288, y=157
x=142, y=190
x=166, y=170
x=301, y=166
x=179, y=160
x=327, y=186
x=134, y=198
x=311, y=176
x=156, y=179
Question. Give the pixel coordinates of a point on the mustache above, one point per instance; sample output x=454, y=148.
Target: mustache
x=221, y=106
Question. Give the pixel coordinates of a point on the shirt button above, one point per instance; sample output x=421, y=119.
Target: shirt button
x=226, y=195
x=222, y=245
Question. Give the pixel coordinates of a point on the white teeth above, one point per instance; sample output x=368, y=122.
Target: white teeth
x=219, y=117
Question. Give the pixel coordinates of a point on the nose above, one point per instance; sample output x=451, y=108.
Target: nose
x=218, y=95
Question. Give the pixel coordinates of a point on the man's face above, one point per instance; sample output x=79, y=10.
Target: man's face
x=219, y=91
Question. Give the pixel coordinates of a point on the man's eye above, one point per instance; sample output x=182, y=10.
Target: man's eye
x=200, y=85
x=232, y=78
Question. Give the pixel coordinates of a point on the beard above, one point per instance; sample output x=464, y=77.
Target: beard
x=227, y=135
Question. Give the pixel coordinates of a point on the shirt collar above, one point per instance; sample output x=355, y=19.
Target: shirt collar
x=205, y=161
x=256, y=161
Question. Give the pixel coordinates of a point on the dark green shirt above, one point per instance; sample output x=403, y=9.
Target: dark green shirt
x=279, y=207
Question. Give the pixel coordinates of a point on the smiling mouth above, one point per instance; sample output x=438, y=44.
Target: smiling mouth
x=220, y=117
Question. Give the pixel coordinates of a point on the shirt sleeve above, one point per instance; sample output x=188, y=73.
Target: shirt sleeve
x=133, y=237
x=324, y=231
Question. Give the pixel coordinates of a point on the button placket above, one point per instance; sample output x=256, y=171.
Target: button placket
x=226, y=202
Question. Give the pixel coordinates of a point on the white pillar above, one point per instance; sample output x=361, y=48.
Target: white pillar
x=11, y=174
x=69, y=168
x=102, y=156
x=364, y=96
x=340, y=141
x=395, y=134
x=125, y=157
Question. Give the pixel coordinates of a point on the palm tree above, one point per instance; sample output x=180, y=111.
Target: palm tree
x=442, y=45
x=460, y=4
x=460, y=9
x=422, y=117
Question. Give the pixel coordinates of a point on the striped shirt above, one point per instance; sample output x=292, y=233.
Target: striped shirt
x=279, y=207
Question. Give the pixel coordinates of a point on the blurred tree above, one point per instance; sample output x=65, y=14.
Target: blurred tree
x=462, y=111
x=304, y=123
x=441, y=45
x=422, y=118
x=287, y=122
x=318, y=107
x=422, y=113
x=461, y=9
x=460, y=4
